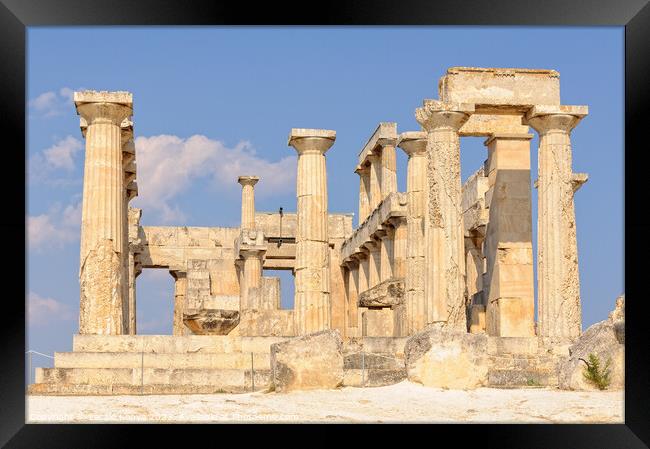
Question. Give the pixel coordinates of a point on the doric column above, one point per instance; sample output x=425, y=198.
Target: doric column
x=559, y=309
x=374, y=262
x=388, y=167
x=445, y=256
x=375, y=181
x=414, y=145
x=101, y=273
x=180, y=291
x=364, y=271
x=399, y=254
x=353, y=293
x=508, y=246
x=252, y=279
x=312, y=286
x=248, y=201
x=386, y=254
x=133, y=271
x=364, y=192
x=128, y=165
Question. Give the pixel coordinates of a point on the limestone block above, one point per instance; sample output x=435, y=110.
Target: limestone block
x=477, y=318
x=271, y=295
x=222, y=302
x=485, y=124
x=599, y=339
x=500, y=86
x=445, y=358
x=210, y=321
x=385, y=294
x=313, y=361
x=377, y=322
x=275, y=323
x=161, y=235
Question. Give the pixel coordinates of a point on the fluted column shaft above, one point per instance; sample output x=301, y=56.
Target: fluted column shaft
x=445, y=256
x=414, y=145
x=252, y=280
x=364, y=192
x=374, y=263
x=312, y=281
x=400, y=240
x=101, y=273
x=559, y=308
x=353, y=294
x=388, y=170
x=375, y=181
x=386, y=255
x=248, y=201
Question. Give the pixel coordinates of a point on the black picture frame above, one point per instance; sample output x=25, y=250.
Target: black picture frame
x=634, y=15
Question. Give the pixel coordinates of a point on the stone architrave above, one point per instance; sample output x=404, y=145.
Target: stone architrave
x=414, y=144
x=445, y=256
x=508, y=245
x=312, y=283
x=559, y=309
x=101, y=273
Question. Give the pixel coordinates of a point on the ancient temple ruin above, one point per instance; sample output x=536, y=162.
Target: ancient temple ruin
x=443, y=254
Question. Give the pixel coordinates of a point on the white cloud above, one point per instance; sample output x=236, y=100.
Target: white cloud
x=45, y=310
x=51, y=103
x=168, y=165
x=60, y=156
x=55, y=228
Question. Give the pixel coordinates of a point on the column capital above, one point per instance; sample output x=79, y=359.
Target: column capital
x=436, y=114
x=414, y=143
x=306, y=141
x=104, y=107
x=559, y=118
x=248, y=180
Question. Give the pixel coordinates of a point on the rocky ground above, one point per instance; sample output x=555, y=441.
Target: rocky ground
x=403, y=402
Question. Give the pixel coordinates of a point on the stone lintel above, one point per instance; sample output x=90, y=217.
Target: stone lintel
x=442, y=106
x=507, y=136
x=301, y=133
x=93, y=96
x=385, y=134
x=388, y=293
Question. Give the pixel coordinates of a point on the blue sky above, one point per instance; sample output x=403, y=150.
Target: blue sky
x=239, y=91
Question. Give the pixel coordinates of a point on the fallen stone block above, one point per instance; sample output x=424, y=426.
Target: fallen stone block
x=313, y=361
x=445, y=358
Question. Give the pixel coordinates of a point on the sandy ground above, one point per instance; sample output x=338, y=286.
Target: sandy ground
x=403, y=402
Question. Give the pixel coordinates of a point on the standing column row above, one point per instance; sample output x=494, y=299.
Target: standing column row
x=312, y=286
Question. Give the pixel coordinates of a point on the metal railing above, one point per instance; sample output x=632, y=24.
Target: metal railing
x=29, y=362
x=363, y=363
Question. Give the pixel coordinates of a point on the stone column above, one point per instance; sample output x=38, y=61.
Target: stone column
x=399, y=254
x=180, y=290
x=374, y=262
x=252, y=279
x=388, y=168
x=312, y=285
x=375, y=181
x=445, y=256
x=134, y=267
x=386, y=254
x=508, y=246
x=353, y=293
x=559, y=309
x=101, y=273
x=364, y=192
x=248, y=201
x=414, y=145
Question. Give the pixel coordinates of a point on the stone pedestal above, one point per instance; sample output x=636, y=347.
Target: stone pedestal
x=101, y=272
x=445, y=257
x=508, y=246
x=312, y=289
x=414, y=145
x=559, y=309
